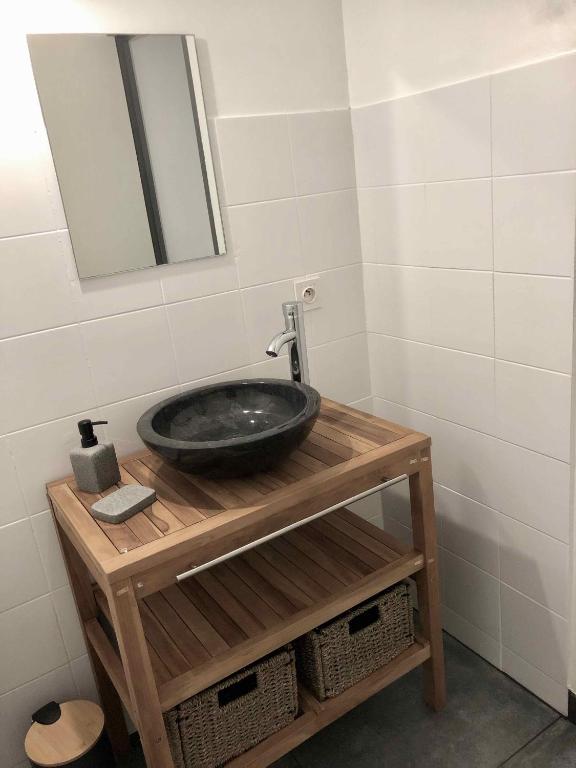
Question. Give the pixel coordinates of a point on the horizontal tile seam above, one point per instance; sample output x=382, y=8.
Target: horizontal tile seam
x=470, y=354
x=40, y=233
x=252, y=286
x=477, y=431
x=298, y=113
x=465, y=179
x=485, y=76
x=41, y=677
x=302, y=196
x=563, y=684
x=500, y=512
x=468, y=269
x=536, y=602
x=501, y=581
x=497, y=640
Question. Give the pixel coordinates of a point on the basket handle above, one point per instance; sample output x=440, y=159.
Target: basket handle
x=237, y=689
x=365, y=619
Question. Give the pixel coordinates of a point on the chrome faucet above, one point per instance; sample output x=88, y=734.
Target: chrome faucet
x=295, y=336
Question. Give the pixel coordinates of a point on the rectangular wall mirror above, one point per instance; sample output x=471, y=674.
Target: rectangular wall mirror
x=127, y=128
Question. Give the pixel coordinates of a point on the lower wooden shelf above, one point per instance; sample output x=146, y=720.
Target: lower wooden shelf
x=211, y=625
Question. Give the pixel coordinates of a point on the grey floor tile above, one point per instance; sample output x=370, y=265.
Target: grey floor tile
x=487, y=719
x=554, y=748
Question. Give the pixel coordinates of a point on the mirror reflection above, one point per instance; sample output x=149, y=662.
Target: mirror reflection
x=128, y=133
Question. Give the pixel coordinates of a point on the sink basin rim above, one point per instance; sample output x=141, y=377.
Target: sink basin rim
x=150, y=436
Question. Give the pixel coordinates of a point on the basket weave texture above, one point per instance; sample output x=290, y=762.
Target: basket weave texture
x=340, y=653
x=229, y=718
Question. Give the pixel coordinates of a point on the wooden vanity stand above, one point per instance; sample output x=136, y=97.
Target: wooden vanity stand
x=177, y=637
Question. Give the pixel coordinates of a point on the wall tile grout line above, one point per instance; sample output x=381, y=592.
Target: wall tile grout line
x=479, y=432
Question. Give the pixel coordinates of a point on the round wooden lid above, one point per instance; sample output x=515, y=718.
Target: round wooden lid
x=76, y=731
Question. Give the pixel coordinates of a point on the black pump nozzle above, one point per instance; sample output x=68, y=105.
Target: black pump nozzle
x=86, y=428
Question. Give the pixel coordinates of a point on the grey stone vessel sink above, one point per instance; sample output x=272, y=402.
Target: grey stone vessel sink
x=231, y=429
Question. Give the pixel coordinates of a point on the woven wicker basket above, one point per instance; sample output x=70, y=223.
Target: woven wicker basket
x=226, y=720
x=340, y=653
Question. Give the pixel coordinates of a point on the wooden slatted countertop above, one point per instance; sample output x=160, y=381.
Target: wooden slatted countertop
x=195, y=519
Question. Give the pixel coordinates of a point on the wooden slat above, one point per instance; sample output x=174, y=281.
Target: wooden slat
x=222, y=495
x=304, y=564
x=336, y=552
x=365, y=418
x=276, y=600
x=260, y=563
x=196, y=621
x=360, y=445
x=308, y=462
x=250, y=599
x=320, y=556
x=359, y=427
x=212, y=612
x=158, y=514
x=333, y=446
x=269, y=480
x=157, y=636
x=161, y=672
x=294, y=470
x=229, y=604
x=167, y=495
x=363, y=554
x=368, y=541
x=244, y=489
x=299, y=578
x=179, y=632
x=329, y=458
x=143, y=528
x=373, y=530
x=183, y=485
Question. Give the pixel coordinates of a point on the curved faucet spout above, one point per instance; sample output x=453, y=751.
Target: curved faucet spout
x=294, y=335
x=278, y=342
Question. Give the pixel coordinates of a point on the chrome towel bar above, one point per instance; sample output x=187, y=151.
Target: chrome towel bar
x=291, y=527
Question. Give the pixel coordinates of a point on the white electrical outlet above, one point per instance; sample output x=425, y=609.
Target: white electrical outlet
x=308, y=290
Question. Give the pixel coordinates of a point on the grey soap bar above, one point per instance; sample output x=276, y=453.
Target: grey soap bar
x=123, y=503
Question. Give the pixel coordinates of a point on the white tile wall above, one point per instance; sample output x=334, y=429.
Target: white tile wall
x=534, y=223
x=111, y=347
x=469, y=309
x=411, y=303
x=265, y=240
x=534, y=118
x=448, y=224
x=22, y=576
x=255, y=158
x=543, y=304
x=129, y=354
x=322, y=151
x=329, y=230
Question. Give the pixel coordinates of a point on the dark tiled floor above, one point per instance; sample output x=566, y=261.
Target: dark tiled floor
x=489, y=721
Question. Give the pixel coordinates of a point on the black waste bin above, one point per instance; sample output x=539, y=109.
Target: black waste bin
x=70, y=734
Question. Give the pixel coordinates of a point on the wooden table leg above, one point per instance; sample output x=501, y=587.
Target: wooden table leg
x=81, y=584
x=139, y=676
x=427, y=580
